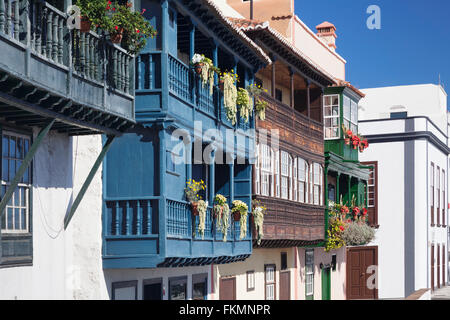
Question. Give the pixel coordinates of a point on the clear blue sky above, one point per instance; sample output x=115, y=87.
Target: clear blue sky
x=412, y=47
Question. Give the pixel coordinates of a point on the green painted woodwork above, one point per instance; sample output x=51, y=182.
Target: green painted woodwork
x=326, y=283
x=24, y=166
x=88, y=181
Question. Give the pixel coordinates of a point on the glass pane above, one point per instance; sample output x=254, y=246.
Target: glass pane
x=17, y=219
x=327, y=111
x=336, y=111
x=26, y=145
x=18, y=164
x=26, y=176
x=12, y=170
x=16, y=197
x=5, y=167
x=12, y=147
x=24, y=220
x=335, y=100
x=178, y=291
x=19, y=150
x=199, y=291
x=5, y=146
x=10, y=218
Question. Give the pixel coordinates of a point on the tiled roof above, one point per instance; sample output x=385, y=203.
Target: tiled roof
x=326, y=24
x=218, y=13
x=248, y=25
x=343, y=83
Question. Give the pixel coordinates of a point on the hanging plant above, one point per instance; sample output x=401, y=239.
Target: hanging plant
x=245, y=104
x=258, y=218
x=255, y=92
x=191, y=191
x=336, y=226
x=222, y=214
x=356, y=140
x=229, y=80
x=240, y=209
x=202, y=208
x=204, y=67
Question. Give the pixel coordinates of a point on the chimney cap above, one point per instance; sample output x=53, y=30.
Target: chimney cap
x=324, y=25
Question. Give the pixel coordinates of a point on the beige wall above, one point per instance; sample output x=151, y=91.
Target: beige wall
x=296, y=266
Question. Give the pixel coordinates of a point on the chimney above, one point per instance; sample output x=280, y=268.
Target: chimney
x=327, y=32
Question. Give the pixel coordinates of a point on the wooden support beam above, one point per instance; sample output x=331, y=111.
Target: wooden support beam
x=24, y=166
x=88, y=181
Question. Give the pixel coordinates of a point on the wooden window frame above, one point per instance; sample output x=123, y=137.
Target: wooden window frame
x=325, y=117
x=266, y=159
x=306, y=273
x=303, y=182
x=266, y=266
x=250, y=273
x=374, y=212
x=124, y=284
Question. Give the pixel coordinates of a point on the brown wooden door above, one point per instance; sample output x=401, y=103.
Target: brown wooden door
x=285, y=285
x=358, y=260
x=432, y=267
x=443, y=266
x=227, y=289
x=438, y=266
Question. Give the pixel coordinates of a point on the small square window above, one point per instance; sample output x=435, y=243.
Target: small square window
x=250, y=280
x=284, y=261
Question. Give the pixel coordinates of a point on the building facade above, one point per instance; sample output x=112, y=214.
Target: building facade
x=409, y=145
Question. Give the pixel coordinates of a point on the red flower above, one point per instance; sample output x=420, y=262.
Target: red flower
x=114, y=9
x=356, y=210
x=109, y=2
x=349, y=133
x=342, y=228
x=116, y=27
x=137, y=30
x=108, y=7
x=364, y=212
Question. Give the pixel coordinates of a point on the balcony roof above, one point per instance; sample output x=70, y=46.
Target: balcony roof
x=274, y=40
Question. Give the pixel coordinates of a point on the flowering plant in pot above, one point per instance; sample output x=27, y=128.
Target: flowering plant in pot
x=221, y=213
x=92, y=13
x=240, y=212
x=204, y=67
x=202, y=207
x=258, y=213
x=130, y=26
x=245, y=104
x=336, y=226
x=255, y=92
x=192, y=194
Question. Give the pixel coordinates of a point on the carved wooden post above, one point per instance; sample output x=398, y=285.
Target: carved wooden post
x=60, y=40
x=82, y=56
x=55, y=38
x=2, y=16
x=49, y=34
x=16, y=20
x=8, y=18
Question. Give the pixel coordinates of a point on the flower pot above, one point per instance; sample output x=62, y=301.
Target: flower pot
x=221, y=85
x=215, y=215
x=236, y=216
x=347, y=141
x=117, y=36
x=198, y=67
x=85, y=24
x=194, y=208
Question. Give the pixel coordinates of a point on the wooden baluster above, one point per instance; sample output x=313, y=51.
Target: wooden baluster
x=87, y=52
x=55, y=38
x=2, y=16
x=8, y=18
x=43, y=28
x=124, y=76
x=120, y=66
x=32, y=23
x=96, y=63
x=115, y=74
x=49, y=34
x=127, y=218
x=117, y=226
x=127, y=74
x=38, y=26
x=16, y=20
x=91, y=57
x=82, y=56
x=138, y=218
x=61, y=40
x=149, y=217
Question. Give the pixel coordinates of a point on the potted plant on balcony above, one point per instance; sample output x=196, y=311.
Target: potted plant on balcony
x=202, y=207
x=192, y=189
x=221, y=213
x=92, y=13
x=336, y=226
x=255, y=92
x=245, y=104
x=128, y=27
x=240, y=213
x=227, y=84
x=258, y=219
x=204, y=67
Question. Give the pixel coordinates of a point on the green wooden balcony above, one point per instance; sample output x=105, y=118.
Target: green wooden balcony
x=48, y=71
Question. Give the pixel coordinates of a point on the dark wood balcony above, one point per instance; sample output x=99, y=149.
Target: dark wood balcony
x=48, y=71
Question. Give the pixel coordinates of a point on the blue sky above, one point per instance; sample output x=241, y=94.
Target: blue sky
x=412, y=47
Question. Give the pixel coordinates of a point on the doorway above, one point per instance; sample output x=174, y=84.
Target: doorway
x=326, y=283
x=359, y=259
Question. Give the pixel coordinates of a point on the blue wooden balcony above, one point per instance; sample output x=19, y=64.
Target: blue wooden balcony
x=47, y=72
x=135, y=237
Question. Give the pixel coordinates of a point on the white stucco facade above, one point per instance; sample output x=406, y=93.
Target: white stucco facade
x=405, y=150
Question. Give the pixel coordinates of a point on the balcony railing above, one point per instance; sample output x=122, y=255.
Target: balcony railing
x=83, y=67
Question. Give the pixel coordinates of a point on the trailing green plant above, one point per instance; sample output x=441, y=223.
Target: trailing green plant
x=242, y=208
x=202, y=208
x=336, y=226
x=258, y=218
x=245, y=104
x=230, y=94
x=208, y=70
x=222, y=212
x=135, y=28
x=255, y=92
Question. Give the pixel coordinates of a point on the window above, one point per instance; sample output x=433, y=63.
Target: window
x=372, y=193
x=295, y=180
x=309, y=272
x=177, y=288
x=125, y=290
x=331, y=117
x=17, y=216
x=318, y=184
x=266, y=170
x=444, y=205
x=200, y=171
x=199, y=286
x=438, y=193
x=277, y=173
x=350, y=108
x=284, y=261
x=399, y=115
x=302, y=180
x=270, y=281
x=257, y=182
x=250, y=280
x=279, y=95
x=284, y=174
x=432, y=176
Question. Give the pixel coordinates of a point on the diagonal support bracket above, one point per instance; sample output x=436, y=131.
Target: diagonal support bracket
x=24, y=166
x=88, y=181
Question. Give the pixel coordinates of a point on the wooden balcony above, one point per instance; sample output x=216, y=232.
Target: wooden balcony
x=50, y=72
x=156, y=232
